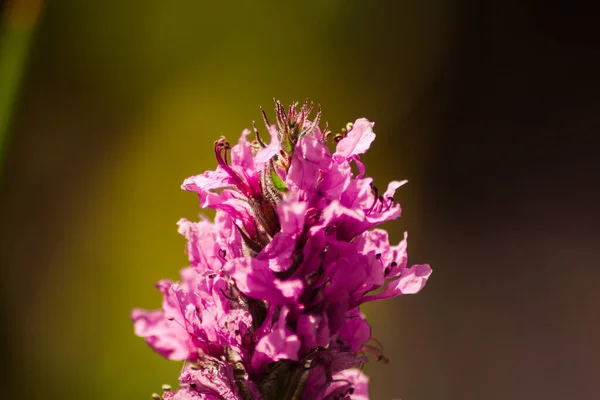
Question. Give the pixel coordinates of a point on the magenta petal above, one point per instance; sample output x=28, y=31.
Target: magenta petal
x=278, y=253
x=201, y=244
x=357, y=141
x=411, y=281
x=164, y=336
x=241, y=153
x=336, y=181
x=392, y=187
x=310, y=158
x=214, y=379
x=205, y=183
x=280, y=344
x=291, y=216
x=254, y=278
x=356, y=331
x=313, y=330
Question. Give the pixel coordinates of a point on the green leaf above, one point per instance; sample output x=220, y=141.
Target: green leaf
x=277, y=182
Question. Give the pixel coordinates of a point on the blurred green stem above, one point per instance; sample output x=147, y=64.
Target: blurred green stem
x=16, y=31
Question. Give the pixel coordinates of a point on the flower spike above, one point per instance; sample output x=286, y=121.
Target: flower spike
x=269, y=308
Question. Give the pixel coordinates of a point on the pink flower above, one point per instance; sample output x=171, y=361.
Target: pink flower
x=270, y=303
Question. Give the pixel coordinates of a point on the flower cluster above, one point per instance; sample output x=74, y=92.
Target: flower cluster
x=269, y=307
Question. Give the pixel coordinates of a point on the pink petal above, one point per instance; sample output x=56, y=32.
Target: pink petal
x=357, y=141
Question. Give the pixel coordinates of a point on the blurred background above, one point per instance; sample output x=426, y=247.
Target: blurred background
x=489, y=109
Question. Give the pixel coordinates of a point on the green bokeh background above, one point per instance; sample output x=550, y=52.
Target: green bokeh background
x=121, y=101
x=489, y=109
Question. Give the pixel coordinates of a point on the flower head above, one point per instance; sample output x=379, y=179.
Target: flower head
x=269, y=307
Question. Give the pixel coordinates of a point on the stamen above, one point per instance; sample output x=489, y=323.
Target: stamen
x=222, y=148
x=390, y=204
x=381, y=200
x=376, y=198
x=375, y=352
x=378, y=343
